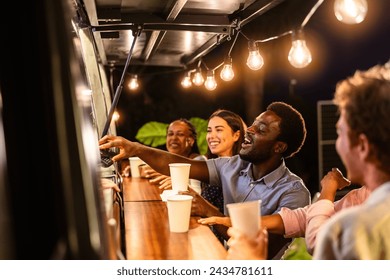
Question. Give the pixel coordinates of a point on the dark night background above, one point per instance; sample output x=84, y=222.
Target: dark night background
x=337, y=50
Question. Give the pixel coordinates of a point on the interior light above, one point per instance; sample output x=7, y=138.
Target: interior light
x=227, y=73
x=350, y=11
x=299, y=55
x=255, y=61
x=115, y=116
x=133, y=84
x=210, y=82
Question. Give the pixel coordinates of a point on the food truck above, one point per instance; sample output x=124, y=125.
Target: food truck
x=58, y=98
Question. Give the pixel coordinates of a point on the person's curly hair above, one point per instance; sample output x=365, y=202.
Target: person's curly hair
x=365, y=99
x=292, y=127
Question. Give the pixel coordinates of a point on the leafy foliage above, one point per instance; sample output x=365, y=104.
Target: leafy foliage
x=201, y=130
x=297, y=250
x=154, y=133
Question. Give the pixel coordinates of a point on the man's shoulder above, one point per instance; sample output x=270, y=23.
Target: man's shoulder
x=233, y=160
x=200, y=157
x=231, y=165
x=293, y=179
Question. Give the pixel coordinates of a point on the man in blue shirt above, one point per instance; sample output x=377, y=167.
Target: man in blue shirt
x=258, y=172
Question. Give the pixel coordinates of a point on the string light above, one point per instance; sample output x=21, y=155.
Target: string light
x=350, y=11
x=347, y=11
x=299, y=55
x=198, y=79
x=255, y=61
x=186, y=82
x=227, y=73
x=210, y=82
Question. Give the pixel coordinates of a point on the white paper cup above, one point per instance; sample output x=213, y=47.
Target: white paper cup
x=245, y=216
x=179, y=212
x=135, y=162
x=180, y=173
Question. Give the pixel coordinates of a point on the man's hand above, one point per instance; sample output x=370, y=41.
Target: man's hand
x=331, y=182
x=109, y=184
x=126, y=147
x=200, y=206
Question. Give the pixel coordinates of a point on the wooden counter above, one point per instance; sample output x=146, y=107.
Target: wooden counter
x=147, y=234
x=139, y=189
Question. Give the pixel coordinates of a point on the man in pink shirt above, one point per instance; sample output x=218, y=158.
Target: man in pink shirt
x=293, y=223
x=296, y=222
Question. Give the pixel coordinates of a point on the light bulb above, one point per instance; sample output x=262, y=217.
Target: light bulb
x=186, y=82
x=299, y=55
x=255, y=61
x=198, y=78
x=115, y=116
x=350, y=11
x=133, y=84
x=227, y=73
x=210, y=82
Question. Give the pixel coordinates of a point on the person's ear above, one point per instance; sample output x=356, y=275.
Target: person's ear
x=280, y=147
x=236, y=136
x=190, y=141
x=364, y=147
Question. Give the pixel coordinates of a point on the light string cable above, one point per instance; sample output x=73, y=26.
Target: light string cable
x=304, y=22
x=311, y=13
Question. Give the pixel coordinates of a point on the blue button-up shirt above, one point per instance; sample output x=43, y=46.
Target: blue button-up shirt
x=280, y=188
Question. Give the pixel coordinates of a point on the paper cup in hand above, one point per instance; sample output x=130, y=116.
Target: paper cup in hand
x=245, y=216
x=180, y=173
x=135, y=162
x=179, y=212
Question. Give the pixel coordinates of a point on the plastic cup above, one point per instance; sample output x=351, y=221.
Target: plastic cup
x=179, y=212
x=135, y=162
x=180, y=173
x=245, y=216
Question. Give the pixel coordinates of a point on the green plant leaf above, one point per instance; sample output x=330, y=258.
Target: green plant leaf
x=201, y=129
x=297, y=250
x=152, y=134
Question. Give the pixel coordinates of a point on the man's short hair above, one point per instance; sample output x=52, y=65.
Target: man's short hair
x=292, y=127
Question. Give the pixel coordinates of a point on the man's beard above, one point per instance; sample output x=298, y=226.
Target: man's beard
x=255, y=157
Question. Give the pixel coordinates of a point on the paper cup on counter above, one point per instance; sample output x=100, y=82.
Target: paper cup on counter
x=179, y=212
x=245, y=216
x=135, y=162
x=180, y=173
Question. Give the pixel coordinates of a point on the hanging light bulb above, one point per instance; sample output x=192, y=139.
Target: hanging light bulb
x=299, y=55
x=186, y=81
x=350, y=11
x=227, y=73
x=133, y=84
x=198, y=78
x=210, y=82
x=255, y=61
